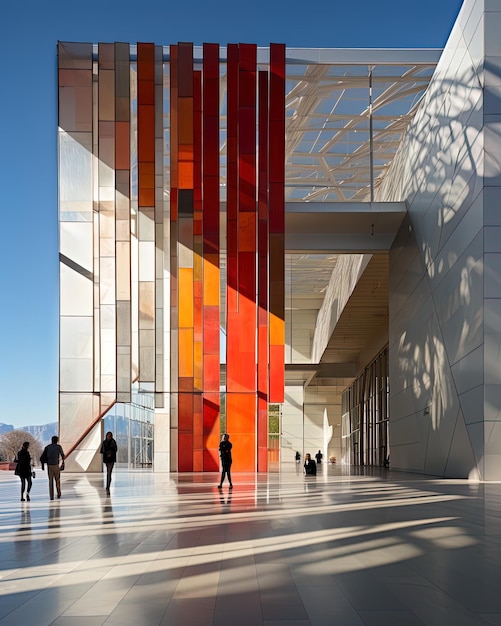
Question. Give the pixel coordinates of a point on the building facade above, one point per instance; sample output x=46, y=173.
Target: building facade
x=258, y=234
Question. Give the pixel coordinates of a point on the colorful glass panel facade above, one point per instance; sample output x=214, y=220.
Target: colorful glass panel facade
x=141, y=294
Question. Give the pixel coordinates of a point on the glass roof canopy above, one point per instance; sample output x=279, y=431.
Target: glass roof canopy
x=346, y=113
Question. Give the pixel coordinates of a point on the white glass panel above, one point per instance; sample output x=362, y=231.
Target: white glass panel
x=76, y=375
x=106, y=173
x=76, y=243
x=108, y=354
x=108, y=317
x=107, y=285
x=134, y=307
x=80, y=211
x=76, y=412
x=123, y=270
x=146, y=306
x=108, y=383
x=107, y=194
x=106, y=220
x=123, y=324
x=147, y=362
x=75, y=167
x=76, y=293
x=185, y=256
x=146, y=261
x=76, y=337
x=146, y=228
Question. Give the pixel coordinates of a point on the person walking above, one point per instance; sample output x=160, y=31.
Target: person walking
x=319, y=456
x=310, y=467
x=50, y=457
x=225, y=447
x=109, y=452
x=24, y=471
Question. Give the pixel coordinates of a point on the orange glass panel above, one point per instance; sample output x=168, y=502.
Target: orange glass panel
x=277, y=328
x=185, y=352
x=241, y=425
x=211, y=280
x=185, y=112
x=186, y=152
x=185, y=304
x=185, y=175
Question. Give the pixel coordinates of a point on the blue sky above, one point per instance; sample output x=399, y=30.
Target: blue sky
x=29, y=33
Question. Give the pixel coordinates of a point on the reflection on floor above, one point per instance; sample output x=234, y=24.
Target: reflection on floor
x=380, y=548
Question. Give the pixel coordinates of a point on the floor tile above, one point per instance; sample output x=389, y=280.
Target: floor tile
x=378, y=548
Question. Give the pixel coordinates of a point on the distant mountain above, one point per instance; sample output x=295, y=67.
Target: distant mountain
x=42, y=432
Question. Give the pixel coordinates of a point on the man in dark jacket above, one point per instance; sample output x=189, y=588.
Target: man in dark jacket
x=50, y=457
x=310, y=467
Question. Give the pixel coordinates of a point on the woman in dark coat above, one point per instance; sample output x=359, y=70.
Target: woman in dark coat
x=109, y=452
x=23, y=470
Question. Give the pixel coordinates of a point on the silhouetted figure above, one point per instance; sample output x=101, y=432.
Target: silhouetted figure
x=50, y=457
x=387, y=461
x=225, y=453
x=319, y=456
x=310, y=467
x=109, y=452
x=24, y=471
x=298, y=457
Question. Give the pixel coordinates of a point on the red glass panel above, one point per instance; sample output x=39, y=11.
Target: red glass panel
x=263, y=338
x=185, y=461
x=211, y=429
x=210, y=195
x=277, y=222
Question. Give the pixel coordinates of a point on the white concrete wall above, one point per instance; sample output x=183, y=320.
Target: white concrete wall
x=303, y=426
x=299, y=325
x=292, y=424
x=445, y=292
x=322, y=402
x=345, y=276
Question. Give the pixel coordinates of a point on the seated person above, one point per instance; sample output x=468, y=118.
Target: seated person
x=310, y=467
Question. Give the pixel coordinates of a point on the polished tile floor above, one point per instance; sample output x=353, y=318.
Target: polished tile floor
x=344, y=548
